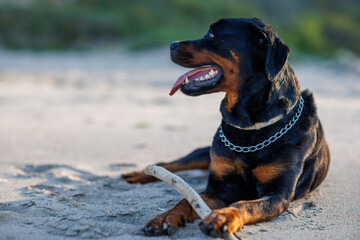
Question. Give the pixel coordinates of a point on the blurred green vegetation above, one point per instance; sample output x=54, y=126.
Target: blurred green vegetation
x=319, y=27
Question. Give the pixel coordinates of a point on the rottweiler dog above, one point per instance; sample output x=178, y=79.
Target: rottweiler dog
x=270, y=147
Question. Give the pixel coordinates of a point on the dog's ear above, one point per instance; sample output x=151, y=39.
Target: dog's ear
x=276, y=56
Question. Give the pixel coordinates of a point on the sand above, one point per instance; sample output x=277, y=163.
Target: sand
x=71, y=123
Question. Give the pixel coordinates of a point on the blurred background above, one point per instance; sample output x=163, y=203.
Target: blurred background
x=316, y=27
x=79, y=77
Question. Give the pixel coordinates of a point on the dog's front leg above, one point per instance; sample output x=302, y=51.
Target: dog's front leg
x=275, y=194
x=238, y=214
x=169, y=221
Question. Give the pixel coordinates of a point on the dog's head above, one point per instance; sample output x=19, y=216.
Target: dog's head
x=233, y=52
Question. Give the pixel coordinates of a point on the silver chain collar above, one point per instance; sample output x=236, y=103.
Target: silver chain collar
x=268, y=141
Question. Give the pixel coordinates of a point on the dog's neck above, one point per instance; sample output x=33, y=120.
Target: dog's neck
x=258, y=108
x=259, y=125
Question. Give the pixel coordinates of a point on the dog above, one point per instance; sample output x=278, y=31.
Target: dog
x=270, y=147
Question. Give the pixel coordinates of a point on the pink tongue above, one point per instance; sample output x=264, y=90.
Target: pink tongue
x=182, y=78
x=177, y=84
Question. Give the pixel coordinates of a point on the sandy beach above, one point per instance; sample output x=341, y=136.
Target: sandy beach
x=71, y=123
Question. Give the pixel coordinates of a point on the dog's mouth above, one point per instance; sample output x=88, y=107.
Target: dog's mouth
x=197, y=80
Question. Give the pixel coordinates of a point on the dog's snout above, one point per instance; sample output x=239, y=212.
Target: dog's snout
x=174, y=45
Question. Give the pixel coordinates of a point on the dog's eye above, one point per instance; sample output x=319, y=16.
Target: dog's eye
x=210, y=35
x=262, y=41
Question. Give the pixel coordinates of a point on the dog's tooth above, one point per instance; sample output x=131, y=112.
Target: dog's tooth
x=186, y=80
x=216, y=72
x=202, y=78
x=196, y=79
x=211, y=73
x=207, y=76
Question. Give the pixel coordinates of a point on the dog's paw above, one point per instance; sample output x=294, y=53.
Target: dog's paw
x=165, y=224
x=138, y=177
x=220, y=221
x=168, y=222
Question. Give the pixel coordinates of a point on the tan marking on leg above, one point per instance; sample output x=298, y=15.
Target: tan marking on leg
x=266, y=173
x=221, y=166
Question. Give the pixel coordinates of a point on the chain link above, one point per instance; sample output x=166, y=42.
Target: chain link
x=268, y=141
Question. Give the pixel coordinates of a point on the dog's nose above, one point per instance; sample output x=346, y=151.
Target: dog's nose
x=174, y=45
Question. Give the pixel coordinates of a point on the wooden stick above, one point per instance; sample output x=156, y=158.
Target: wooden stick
x=186, y=191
